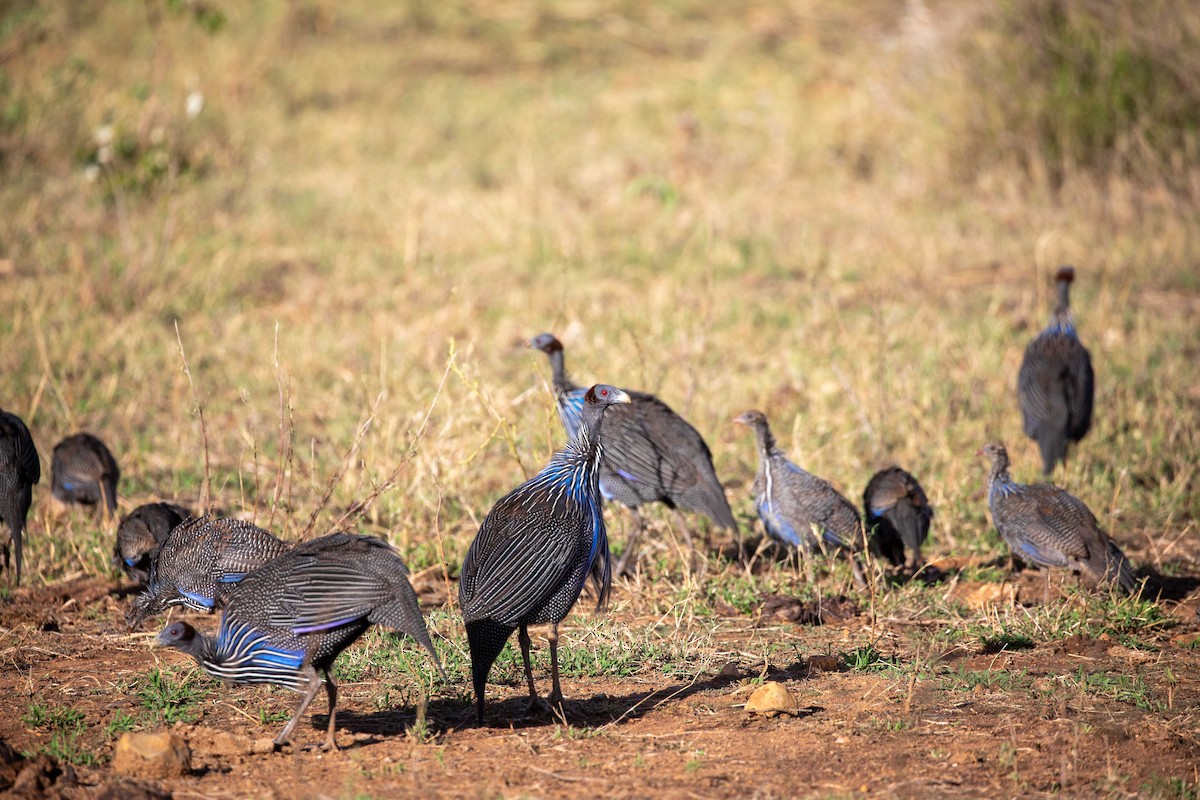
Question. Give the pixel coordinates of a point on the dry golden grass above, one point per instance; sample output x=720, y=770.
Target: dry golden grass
x=377, y=206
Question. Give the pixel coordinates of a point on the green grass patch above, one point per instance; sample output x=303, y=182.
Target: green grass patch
x=174, y=695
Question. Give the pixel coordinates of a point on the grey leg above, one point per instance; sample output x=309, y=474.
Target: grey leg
x=555, y=695
x=639, y=524
x=523, y=638
x=314, y=684
x=331, y=690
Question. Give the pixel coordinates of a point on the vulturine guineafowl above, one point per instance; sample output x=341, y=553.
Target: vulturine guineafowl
x=536, y=548
x=20, y=469
x=1055, y=382
x=140, y=532
x=897, y=516
x=651, y=453
x=797, y=508
x=199, y=563
x=84, y=472
x=1047, y=527
x=286, y=623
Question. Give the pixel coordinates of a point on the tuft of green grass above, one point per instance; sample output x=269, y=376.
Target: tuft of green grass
x=67, y=728
x=173, y=695
x=868, y=659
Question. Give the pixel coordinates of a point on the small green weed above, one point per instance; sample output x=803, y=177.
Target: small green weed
x=869, y=659
x=174, y=695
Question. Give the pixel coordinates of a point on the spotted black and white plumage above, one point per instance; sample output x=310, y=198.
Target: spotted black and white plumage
x=199, y=563
x=140, y=532
x=1047, y=527
x=84, y=472
x=797, y=508
x=20, y=469
x=897, y=516
x=536, y=548
x=651, y=454
x=288, y=621
x=1055, y=384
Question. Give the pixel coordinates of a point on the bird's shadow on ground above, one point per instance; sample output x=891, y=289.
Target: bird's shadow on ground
x=446, y=714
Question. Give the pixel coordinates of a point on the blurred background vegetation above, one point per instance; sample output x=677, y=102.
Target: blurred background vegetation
x=846, y=213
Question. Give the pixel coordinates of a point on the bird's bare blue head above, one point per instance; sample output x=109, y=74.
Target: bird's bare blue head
x=179, y=635
x=604, y=395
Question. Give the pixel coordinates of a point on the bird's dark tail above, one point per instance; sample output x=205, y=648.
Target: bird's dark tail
x=907, y=522
x=1119, y=570
x=486, y=639
x=1053, y=444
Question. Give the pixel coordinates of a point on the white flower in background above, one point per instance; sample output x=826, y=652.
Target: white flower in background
x=195, y=104
x=103, y=137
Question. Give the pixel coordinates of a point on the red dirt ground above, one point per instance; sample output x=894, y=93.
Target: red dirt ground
x=877, y=733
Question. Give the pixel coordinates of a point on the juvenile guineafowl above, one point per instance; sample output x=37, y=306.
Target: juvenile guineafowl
x=797, y=508
x=897, y=515
x=1045, y=526
x=1055, y=383
x=287, y=622
x=20, y=469
x=140, y=532
x=84, y=472
x=199, y=563
x=536, y=548
x=651, y=454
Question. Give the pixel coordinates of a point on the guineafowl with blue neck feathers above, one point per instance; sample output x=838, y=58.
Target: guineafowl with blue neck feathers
x=1049, y=528
x=199, y=563
x=288, y=621
x=897, y=516
x=140, y=532
x=797, y=508
x=84, y=472
x=1055, y=384
x=536, y=548
x=651, y=453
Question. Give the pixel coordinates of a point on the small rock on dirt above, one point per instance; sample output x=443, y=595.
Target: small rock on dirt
x=772, y=699
x=152, y=755
x=824, y=663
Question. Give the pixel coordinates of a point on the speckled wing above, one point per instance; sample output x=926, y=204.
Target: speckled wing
x=513, y=566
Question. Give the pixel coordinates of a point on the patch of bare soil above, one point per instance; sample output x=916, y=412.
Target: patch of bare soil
x=1006, y=723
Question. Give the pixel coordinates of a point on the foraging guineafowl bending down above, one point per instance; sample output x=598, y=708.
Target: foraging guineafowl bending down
x=1045, y=526
x=200, y=562
x=140, y=532
x=1055, y=382
x=84, y=472
x=536, y=548
x=797, y=508
x=651, y=454
x=898, y=516
x=20, y=469
x=286, y=623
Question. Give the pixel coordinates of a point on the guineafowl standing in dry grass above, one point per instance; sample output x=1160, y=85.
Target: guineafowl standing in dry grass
x=199, y=563
x=651, y=454
x=84, y=472
x=1047, y=527
x=288, y=621
x=140, y=532
x=898, y=516
x=797, y=508
x=1055, y=382
x=536, y=548
x=20, y=469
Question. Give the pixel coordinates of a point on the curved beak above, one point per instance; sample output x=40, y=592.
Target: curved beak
x=621, y=397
